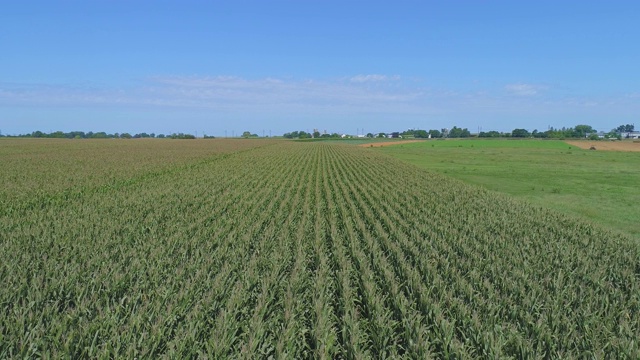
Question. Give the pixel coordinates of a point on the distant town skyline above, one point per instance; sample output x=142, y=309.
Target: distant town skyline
x=280, y=66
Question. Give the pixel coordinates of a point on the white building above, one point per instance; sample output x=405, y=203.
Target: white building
x=630, y=135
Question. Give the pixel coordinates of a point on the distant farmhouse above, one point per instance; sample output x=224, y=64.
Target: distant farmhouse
x=622, y=134
x=630, y=135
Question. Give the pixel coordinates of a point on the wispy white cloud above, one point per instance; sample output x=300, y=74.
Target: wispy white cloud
x=229, y=93
x=46, y=94
x=373, y=78
x=521, y=89
x=366, y=97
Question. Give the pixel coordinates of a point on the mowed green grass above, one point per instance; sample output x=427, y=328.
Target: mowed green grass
x=601, y=186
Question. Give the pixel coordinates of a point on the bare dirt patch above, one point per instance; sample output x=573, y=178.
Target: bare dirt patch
x=606, y=145
x=389, y=143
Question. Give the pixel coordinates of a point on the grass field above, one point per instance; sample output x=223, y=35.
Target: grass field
x=228, y=249
x=601, y=186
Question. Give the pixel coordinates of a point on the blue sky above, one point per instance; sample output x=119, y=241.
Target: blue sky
x=342, y=66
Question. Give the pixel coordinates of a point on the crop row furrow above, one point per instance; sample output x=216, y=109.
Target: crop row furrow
x=267, y=260
x=382, y=310
x=442, y=325
x=354, y=338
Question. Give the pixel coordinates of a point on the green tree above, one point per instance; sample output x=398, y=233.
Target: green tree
x=57, y=135
x=182, y=136
x=297, y=135
x=457, y=132
x=581, y=131
x=422, y=134
x=75, y=135
x=435, y=134
x=489, y=134
x=625, y=128
x=540, y=134
x=520, y=133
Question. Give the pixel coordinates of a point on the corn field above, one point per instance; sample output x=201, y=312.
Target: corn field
x=295, y=250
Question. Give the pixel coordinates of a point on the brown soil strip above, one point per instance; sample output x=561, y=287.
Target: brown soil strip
x=607, y=145
x=389, y=143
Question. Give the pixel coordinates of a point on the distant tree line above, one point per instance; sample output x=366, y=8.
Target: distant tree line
x=454, y=132
x=576, y=132
x=101, y=135
x=307, y=135
x=579, y=131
